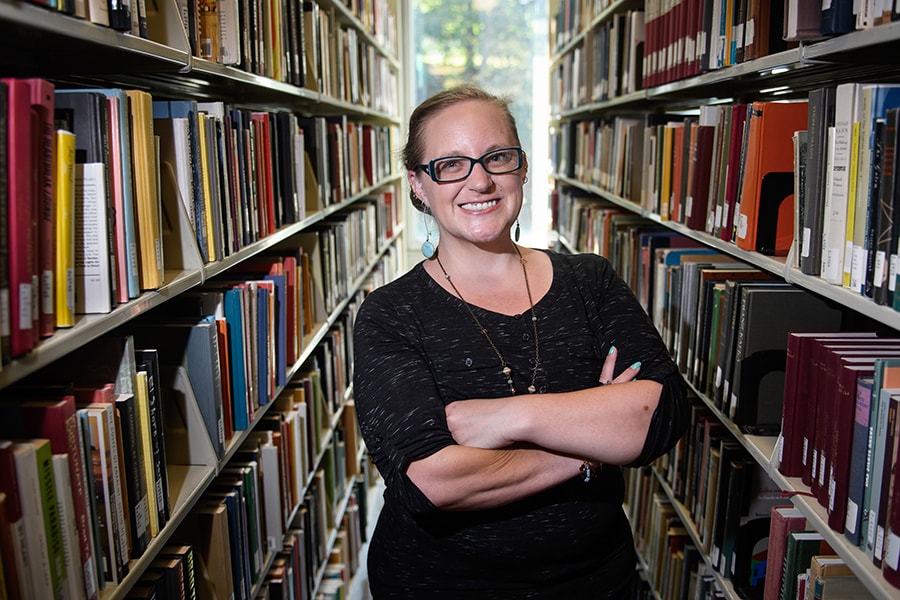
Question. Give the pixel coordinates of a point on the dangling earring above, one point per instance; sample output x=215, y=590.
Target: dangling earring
x=427, y=246
x=517, y=232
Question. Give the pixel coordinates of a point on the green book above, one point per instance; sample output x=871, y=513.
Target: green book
x=801, y=547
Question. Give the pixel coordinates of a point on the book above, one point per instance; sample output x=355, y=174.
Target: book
x=100, y=428
x=136, y=481
x=15, y=547
x=801, y=546
x=859, y=448
x=122, y=193
x=74, y=571
x=55, y=420
x=44, y=140
x=795, y=414
x=783, y=520
x=150, y=400
x=192, y=344
x=838, y=218
x=64, y=274
x=820, y=118
x=757, y=389
x=765, y=218
x=93, y=278
x=85, y=113
x=146, y=191
x=40, y=511
x=20, y=217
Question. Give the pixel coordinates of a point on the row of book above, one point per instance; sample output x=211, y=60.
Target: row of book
x=111, y=214
x=86, y=488
x=301, y=43
x=607, y=65
x=846, y=230
x=843, y=446
x=128, y=16
x=312, y=45
x=154, y=413
x=672, y=40
x=784, y=558
x=730, y=172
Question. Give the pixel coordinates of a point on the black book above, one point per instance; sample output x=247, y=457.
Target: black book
x=820, y=117
x=147, y=360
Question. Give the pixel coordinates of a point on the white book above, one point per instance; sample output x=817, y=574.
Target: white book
x=835, y=211
x=229, y=32
x=38, y=575
x=93, y=284
x=71, y=547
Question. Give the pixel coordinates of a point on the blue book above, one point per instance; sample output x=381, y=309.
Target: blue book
x=234, y=316
x=860, y=444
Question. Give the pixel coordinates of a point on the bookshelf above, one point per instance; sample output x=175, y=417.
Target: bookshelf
x=347, y=227
x=594, y=103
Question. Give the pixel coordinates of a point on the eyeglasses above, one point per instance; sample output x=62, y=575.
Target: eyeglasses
x=448, y=169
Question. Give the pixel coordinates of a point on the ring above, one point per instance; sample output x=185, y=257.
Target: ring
x=605, y=382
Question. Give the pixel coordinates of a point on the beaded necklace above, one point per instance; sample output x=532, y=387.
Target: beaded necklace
x=506, y=370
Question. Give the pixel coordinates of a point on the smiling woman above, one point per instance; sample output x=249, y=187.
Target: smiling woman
x=498, y=444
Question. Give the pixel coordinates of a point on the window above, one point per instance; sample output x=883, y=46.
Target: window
x=500, y=45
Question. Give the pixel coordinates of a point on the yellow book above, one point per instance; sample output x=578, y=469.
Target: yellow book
x=144, y=436
x=851, y=204
x=146, y=190
x=64, y=286
x=202, y=119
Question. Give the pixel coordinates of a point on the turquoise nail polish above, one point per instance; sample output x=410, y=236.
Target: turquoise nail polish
x=611, y=349
x=636, y=365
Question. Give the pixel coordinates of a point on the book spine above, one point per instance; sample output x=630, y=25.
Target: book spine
x=64, y=286
x=20, y=210
x=45, y=165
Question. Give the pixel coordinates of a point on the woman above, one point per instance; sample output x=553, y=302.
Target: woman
x=480, y=385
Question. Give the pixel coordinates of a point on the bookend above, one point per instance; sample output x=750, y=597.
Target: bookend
x=774, y=230
x=165, y=26
x=187, y=440
x=756, y=408
x=179, y=241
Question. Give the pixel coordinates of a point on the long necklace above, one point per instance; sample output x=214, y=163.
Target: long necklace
x=506, y=370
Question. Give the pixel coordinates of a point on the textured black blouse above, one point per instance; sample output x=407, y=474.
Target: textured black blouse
x=416, y=350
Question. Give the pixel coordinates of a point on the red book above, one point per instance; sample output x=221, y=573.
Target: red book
x=698, y=203
x=10, y=521
x=784, y=519
x=795, y=411
x=44, y=162
x=20, y=212
x=54, y=419
x=732, y=180
x=265, y=191
x=766, y=216
x=891, y=560
x=820, y=382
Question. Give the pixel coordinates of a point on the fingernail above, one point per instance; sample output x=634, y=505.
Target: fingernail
x=636, y=365
x=611, y=349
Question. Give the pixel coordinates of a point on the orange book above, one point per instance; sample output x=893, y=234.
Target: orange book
x=766, y=214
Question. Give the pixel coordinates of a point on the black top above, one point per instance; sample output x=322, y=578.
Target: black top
x=416, y=350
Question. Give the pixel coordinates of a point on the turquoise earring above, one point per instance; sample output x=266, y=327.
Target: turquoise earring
x=427, y=246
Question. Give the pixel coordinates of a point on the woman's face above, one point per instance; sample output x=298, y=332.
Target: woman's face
x=482, y=207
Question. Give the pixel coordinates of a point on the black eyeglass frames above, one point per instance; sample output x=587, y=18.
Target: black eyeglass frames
x=448, y=169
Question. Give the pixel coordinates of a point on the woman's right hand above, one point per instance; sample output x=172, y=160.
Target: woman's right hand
x=608, y=372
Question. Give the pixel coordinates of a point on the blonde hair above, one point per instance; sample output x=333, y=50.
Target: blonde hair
x=412, y=153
